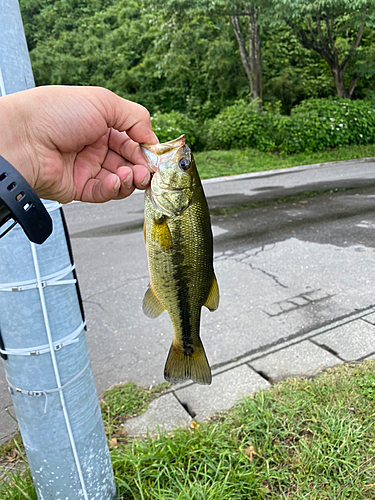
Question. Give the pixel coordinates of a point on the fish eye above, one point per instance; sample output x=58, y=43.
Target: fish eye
x=184, y=164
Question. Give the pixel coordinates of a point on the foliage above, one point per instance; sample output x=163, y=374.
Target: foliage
x=292, y=73
x=163, y=62
x=241, y=125
x=366, y=385
x=318, y=124
x=334, y=30
x=183, y=56
x=168, y=126
x=314, y=125
x=180, y=59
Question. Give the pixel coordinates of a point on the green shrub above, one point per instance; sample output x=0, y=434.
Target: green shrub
x=314, y=125
x=169, y=126
x=361, y=122
x=234, y=127
x=318, y=124
x=242, y=126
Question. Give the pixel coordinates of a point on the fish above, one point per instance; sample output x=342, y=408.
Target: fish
x=179, y=245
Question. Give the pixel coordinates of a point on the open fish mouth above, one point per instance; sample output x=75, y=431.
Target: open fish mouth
x=154, y=152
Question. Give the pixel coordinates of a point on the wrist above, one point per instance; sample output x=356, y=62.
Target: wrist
x=13, y=140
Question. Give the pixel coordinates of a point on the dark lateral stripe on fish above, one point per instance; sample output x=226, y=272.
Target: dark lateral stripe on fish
x=182, y=295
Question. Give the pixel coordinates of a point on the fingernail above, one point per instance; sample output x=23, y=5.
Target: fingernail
x=116, y=187
x=128, y=184
x=146, y=179
x=156, y=138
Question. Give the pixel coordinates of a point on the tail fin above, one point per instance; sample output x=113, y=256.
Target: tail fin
x=181, y=366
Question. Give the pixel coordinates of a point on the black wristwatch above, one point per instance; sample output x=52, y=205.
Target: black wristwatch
x=19, y=203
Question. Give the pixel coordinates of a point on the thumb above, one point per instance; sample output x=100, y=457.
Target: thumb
x=130, y=117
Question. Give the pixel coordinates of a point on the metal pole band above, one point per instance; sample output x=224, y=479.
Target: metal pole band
x=18, y=201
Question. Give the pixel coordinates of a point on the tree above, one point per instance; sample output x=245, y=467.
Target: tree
x=291, y=73
x=165, y=62
x=251, y=60
x=332, y=28
x=236, y=12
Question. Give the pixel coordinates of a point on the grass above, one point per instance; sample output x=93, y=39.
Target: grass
x=219, y=163
x=302, y=439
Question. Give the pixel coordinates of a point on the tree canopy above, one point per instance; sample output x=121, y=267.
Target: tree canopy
x=187, y=55
x=334, y=29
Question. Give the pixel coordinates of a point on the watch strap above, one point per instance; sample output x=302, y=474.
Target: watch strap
x=18, y=201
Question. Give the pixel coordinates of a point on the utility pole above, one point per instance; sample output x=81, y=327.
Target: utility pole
x=42, y=335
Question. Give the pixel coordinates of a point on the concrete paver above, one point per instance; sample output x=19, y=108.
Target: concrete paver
x=226, y=389
x=304, y=359
x=164, y=413
x=352, y=341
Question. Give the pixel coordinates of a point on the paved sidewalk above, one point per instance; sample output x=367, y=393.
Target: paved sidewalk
x=349, y=339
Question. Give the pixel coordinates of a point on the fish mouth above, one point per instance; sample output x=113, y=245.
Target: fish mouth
x=166, y=146
x=153, y=152
x=167, y=180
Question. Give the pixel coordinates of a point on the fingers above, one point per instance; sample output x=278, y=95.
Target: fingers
x=135, y=164
x=136, y=176
x=100, y=191
x=108, y=186
x=121, y=143
x=139, y=177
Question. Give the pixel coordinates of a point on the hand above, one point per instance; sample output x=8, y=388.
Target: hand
x=76, y=143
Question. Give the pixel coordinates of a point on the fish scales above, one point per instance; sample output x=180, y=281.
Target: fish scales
x=180, y=255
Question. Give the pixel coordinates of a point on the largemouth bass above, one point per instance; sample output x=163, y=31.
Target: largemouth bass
x=179, y=247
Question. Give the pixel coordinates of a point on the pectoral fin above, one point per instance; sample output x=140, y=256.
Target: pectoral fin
x=212, y=302
x=162, y=234
x=152, y=307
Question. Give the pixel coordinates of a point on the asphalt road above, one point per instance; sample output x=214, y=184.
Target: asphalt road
x=294, y=250
x=264, y=255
